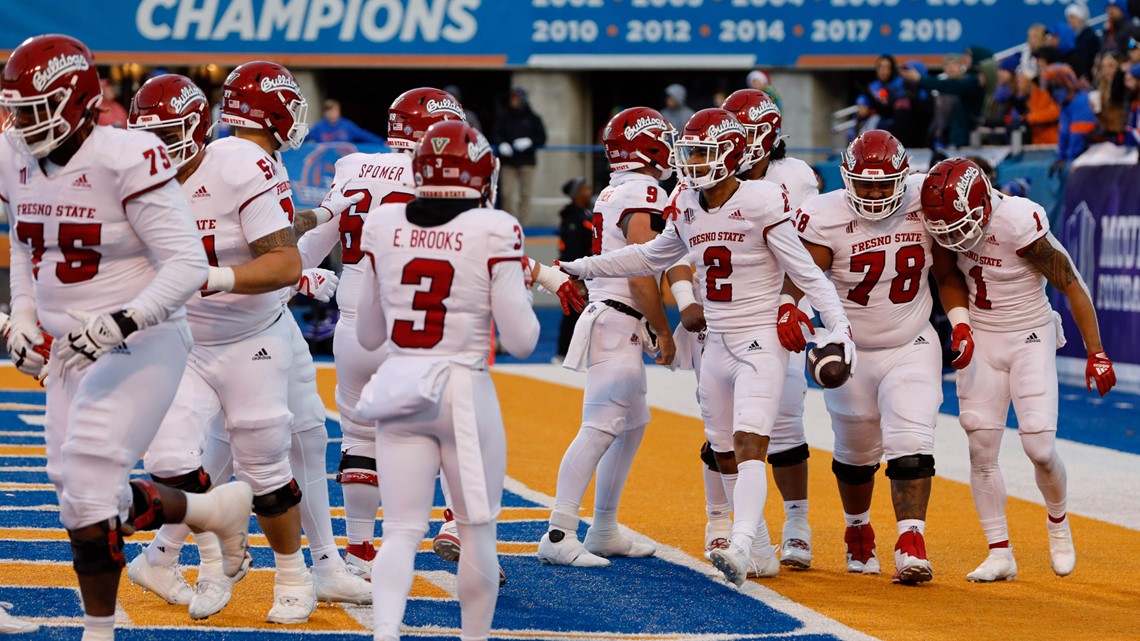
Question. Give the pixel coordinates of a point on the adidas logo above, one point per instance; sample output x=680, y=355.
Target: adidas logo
x=852, y=227
x=736, y=215
x=992, y=240
x=81, y=182
x=912, y=216
x=1032, y=339
x=121, y=348
x=162, y=548
x=755, y=346
x=262, y=355
x=921, y=341
x=201, y=193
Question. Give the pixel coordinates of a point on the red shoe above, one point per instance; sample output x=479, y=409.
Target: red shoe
x=358, y=557
x=446, y=543
x=911, y=565
x=860, y=540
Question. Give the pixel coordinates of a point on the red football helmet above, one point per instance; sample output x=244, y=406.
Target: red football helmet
x=265, y=95
x=413, y=111
x=454, y=160
x=639, y=137
x=874, y=170
x=49, y=87
x=956, y=203
x=710, y=148
x=175, y=109
x=761, y=119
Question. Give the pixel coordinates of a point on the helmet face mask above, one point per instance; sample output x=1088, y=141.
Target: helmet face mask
x=35, y=126
x=956, y=204
x=762, y=121
x=175, y=110
x=710, y=148
x=177, y=136
x=874, y=170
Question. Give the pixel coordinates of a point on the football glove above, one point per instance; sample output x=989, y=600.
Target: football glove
x=962, y=341
x=789, y=319
x=318, y=284
x=335, y=204
x=99, y=334
x=1099, y=369
x=28, y=345
x=840, y=336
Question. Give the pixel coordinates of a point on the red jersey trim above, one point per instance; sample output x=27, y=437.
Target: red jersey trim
x=491, y=262
x=1022, y=251
x=256, y=196
x=774, y=225
x=146, y=190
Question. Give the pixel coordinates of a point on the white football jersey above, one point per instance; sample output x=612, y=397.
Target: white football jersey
x=739, y=277
x=878, y=267
x=795, y=176
x=1007, y=293
x=628, y=193
x=383, y=179
x=435, y=282
x=85, y=253
x=236, y=198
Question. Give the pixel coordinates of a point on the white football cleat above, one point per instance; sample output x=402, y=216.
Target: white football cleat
x=764, y=566
x=1062, y=553
x=234, y=501
x=733, y=562
x=166, y=581
x=358, y=558
x=11, y=625
x=341, y=586
x=293, y=603
x=567, y=550
x=614, y=543
x=446, y=544
x=211, y=594
x=998, y=566
x=795, y=551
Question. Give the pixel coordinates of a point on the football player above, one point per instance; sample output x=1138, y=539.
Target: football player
x=104, y=258
x=739, y=235
x=437, y=270
x=608, y=343
x=870, y=239
x=1006, y=250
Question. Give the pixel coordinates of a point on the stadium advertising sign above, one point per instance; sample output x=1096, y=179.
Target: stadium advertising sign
x=533, y=33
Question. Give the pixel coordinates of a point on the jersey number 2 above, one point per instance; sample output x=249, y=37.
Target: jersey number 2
x=718, y=265
x=439, y=274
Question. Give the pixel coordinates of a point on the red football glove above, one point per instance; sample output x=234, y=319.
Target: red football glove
x=1099, y=369
x=788, y=327
x=570, y=297
x=962, y=341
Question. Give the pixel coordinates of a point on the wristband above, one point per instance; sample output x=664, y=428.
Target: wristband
x=958, y=316
x=549, y=279
x=683, y=294
x=221, y=279
x=787, y=299
x=322, y=214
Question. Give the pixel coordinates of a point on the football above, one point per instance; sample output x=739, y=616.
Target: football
x=826, y=366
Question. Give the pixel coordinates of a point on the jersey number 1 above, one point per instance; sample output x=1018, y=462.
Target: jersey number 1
x=439, y=274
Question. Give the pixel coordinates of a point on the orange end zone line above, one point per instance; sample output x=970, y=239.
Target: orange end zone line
x=488, y=61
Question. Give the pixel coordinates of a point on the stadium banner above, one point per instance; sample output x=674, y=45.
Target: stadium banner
x=1100, y=226
x=570, y=34
x=312, y=167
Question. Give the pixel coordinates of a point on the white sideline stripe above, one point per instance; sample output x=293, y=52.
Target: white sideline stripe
x=1103, y=483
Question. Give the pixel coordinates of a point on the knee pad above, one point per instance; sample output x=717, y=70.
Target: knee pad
x=854, y=474
x=788, y=458
x=708, y=458
x=98, y=554
x=196, y=482
x=278, y=501
x=356, y=469
x=970, y=421
x=147, y=504
x=911, y=467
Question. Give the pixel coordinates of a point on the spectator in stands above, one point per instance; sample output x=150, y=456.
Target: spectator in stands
x=981, y=61
x=1016, y=187
x=913, y=112
x=1118, y=28
x=1087, y=44
x=518, y=132
x=1077, y=118
x=575, y=240
x=111, y=113
x=1034, y=40
x=335, y=128
x=1108, y=99
x=760, y=81
x=1034, y=108
x=1131, y=136
x=876, y=103
x=957, y=81
x=471, y=116
x=676, y=111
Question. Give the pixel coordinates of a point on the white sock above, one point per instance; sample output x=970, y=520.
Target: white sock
x=613, y=470
x=577, y=468
x=729, y=481
x=605, y=520
x=716, y=502
x=907, y=524
x=562, y=519
x=748, y=504
x=1049, y=471
x=392, y=573
x=857, y=519
x=307, y=458
x=796, y=509
x=290, y=568
x=987, y=485
x=210, y=553
x=98, y=628
x=478, y=580
x=361, y=502
x=167, y=543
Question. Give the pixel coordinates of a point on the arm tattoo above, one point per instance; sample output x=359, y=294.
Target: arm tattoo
x=303, y=221
x=281, y=238
x=1054, y=265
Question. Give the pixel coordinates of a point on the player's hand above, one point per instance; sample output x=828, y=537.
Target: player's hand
x=693, y=318
x=1099, y=369
x=841, y=336
x=572, y=294
x=99, y=334
x=318, y=284
x=1057, y=168
x=506, y=150
x=522, y=144
x=572, y=267
x=336, y=203
x=28, y=345
x=789, y=319
x=962, y=341
x=667, y=349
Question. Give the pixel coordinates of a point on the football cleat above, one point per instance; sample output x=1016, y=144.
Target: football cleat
x=614, y=543
x=559, y=548
x=860, y=540
x=341, y=586
x=293, y=603
x=911, y=565
x=211, y=594
x=446, y=543
x=166, y=581
x=763, y=566
x=11, y=625
x=795, y=551
x=358, y=557
x=716, y=535
x=1062, y=554
x=734, y=563
x=998, y=566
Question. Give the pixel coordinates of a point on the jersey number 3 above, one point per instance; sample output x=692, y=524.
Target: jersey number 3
x=439, y=274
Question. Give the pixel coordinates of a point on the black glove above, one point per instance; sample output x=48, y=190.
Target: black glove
x=1057, y=168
